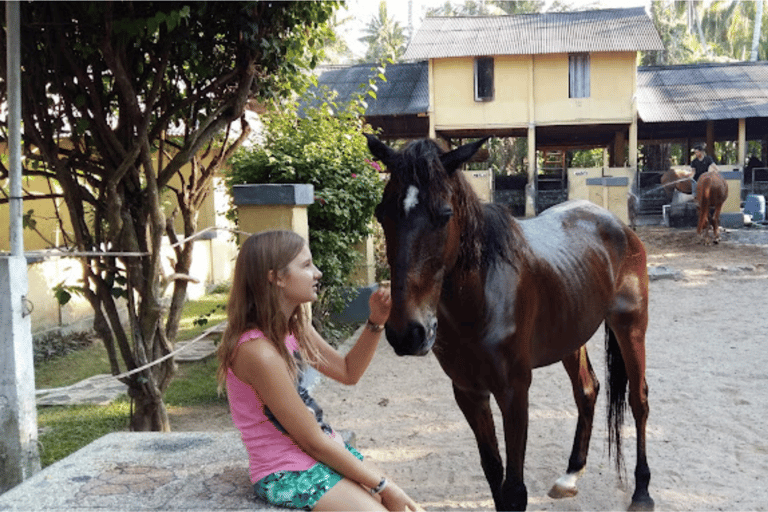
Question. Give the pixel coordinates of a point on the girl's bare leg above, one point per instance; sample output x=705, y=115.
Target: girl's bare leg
x=348, y=496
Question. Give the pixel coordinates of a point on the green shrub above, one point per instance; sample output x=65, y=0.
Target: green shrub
x=323, y=147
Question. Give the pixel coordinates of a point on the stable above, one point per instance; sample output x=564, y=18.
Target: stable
x=563, y=81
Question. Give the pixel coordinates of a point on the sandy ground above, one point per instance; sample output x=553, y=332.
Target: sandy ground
x=708, y=383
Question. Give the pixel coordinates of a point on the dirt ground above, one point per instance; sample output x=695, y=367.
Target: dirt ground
x=708, y=380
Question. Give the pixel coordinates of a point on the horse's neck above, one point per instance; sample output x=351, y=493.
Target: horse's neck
x=488, y=232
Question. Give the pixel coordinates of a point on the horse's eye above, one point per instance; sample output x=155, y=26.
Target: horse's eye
x=444, y=215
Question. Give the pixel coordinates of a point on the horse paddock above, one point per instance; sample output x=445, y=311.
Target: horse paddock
x=707, y=448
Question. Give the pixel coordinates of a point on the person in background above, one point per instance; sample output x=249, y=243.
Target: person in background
x=700, y=164
x=296, y=459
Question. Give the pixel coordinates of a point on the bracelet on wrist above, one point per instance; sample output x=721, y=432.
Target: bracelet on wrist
x=374, y=327
x=382, y=485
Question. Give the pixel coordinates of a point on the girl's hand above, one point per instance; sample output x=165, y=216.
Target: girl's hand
x=380, y=304
x=395, y=499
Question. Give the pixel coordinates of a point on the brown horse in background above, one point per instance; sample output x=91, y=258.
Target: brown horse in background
x=711, y=193
x=677, y=179
x=497, y=297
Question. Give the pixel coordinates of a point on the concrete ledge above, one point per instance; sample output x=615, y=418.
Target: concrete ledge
x=731, y=175
x=144, y=471
x=608, y=181
x=273, y=193
x=732, y=220
x=357, y=309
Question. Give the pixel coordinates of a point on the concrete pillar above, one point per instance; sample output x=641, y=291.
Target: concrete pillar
x=261, y=207
x=742, y=145
x=632, y=160
x=530, y=187
x=611, y=194
x=619, y=145
x=431, y=111
x=733, y=201
x=19, y=458
x=365, y=272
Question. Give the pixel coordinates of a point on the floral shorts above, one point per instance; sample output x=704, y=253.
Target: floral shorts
x=299, y=489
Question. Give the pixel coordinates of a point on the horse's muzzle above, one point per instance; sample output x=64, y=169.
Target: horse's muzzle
x=415, y=340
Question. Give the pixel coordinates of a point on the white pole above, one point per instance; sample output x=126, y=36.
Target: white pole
x=16, y=236
x=18, y=414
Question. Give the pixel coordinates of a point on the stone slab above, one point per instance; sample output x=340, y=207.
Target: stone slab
x=144, y=471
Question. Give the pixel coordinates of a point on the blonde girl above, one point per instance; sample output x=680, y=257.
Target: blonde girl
x=296, y=459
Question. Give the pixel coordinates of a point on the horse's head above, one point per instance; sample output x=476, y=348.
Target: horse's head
x=419, y=214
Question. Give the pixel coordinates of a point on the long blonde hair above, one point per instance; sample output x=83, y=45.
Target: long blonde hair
x=253, y=301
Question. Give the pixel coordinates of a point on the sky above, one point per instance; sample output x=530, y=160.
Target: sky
x=363, y=10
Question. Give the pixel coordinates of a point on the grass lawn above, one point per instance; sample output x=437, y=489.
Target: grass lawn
x=66, y=429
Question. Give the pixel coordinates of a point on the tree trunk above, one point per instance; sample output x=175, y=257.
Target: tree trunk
x=148, y=412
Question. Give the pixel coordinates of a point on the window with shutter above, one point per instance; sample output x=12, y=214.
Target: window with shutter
x=484, y=79
x=578, y=75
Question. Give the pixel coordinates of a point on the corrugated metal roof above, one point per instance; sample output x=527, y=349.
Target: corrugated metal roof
x=406, y=90
x=701, y=92
x=606, y=30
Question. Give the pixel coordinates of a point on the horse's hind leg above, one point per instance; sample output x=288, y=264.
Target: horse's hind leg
x=477, y=411
x=628, y=341
x=585, y=389
x=716, y=224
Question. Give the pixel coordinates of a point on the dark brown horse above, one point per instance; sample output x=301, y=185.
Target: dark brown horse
x=711, y=193
x=498, y=298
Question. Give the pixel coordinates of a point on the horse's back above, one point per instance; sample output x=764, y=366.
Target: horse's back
x=712, y=187
x=573, y=227
x=581, y=255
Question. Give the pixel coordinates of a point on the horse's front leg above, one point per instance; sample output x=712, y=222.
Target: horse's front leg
x=477, y=410
x=514, y=409
x=585, y=389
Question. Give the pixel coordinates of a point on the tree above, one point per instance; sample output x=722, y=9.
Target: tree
x=117, y=97
x=385, y=37
x=707, y=31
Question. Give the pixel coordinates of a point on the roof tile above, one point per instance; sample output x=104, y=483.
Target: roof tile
x=525, y=34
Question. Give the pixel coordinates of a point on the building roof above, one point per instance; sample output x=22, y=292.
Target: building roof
x=700, y=92
x=607, y=30
x=405, y=91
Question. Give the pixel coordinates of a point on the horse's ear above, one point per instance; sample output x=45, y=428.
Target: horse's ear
x=453, y=159
x=380, y=150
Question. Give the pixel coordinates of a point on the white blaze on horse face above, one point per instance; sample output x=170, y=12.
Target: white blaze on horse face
x=411, y=199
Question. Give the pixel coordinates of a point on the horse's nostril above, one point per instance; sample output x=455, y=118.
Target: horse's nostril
x=417, y=333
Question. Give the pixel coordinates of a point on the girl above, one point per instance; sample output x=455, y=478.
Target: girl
x=296, y=459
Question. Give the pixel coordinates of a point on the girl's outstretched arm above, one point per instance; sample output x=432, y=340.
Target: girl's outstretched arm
x=350, y=368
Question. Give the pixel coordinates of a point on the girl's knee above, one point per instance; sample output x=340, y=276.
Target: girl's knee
x=348, y=495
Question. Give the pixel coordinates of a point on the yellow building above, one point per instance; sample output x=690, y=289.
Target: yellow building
x=563, y=80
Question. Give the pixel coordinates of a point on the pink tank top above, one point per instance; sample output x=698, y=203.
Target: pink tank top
x=270, y=448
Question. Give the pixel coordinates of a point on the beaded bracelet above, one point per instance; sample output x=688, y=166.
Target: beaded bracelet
x=374, y=327
x=382, y=485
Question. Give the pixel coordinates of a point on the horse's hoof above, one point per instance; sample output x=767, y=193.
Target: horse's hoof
x=645, y=504
x=559, y=492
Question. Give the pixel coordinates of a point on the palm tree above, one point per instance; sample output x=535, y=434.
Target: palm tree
x=758, y=26
x=385, y=37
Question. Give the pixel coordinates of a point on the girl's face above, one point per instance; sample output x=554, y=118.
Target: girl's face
x=300, y=281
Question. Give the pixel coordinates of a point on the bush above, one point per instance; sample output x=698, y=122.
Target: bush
x=327, y=150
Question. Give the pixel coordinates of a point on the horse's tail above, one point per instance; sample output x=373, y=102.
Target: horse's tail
x=617, y=393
